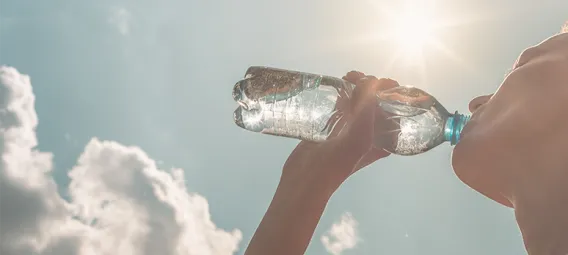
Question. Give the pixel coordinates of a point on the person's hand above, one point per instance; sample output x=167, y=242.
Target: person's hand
x=331, y=162
x=314, y=171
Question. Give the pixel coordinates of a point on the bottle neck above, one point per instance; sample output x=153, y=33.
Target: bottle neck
x=454, y=126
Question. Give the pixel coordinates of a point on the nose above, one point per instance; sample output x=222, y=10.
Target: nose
x=478, y=101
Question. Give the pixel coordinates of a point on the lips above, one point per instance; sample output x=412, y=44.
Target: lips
x=473, y=120
x=470, y=125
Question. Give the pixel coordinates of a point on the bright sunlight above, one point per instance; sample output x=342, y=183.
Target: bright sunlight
x=412, y=30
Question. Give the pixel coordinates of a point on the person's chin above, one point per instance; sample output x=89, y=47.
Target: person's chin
x=473, y=163
x=464, y=154
x=461, y=157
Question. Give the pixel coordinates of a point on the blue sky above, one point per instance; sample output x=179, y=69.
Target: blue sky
x=158, y=75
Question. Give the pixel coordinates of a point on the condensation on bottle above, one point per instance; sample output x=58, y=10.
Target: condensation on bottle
x=313, y=107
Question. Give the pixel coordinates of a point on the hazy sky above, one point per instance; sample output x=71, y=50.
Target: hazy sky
x=126, y=90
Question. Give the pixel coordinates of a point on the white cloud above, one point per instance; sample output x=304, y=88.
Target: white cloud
x=121, y=203
x=342, y=235
x=121, y=18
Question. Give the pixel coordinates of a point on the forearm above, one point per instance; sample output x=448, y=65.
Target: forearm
x=290, y=221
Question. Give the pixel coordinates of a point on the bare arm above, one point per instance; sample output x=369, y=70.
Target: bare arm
x=291, y=219
x=315, y=170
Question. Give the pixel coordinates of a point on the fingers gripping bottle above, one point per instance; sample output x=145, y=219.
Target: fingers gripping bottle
x=312, y=107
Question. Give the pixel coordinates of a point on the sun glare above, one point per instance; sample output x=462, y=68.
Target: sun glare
x=412, y=31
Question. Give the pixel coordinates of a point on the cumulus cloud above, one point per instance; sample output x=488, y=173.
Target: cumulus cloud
x=342, y=235
x=121, y=18
x=120, y=201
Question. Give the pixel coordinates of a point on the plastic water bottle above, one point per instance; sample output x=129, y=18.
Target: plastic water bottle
x=312, y=107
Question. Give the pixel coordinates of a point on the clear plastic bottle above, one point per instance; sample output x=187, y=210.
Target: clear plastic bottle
x=312, y=107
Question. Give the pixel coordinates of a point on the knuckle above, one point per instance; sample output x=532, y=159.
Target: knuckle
x=387, y=83
x=375, y=83
x=354, y=76
x=372, y=78
x=368, y=81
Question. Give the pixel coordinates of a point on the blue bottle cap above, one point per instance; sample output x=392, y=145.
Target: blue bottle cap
x=454, y=126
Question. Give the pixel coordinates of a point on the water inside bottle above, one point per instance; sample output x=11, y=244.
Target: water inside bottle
x=419, y=118
x=291, y=104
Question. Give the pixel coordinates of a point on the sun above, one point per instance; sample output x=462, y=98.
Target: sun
x=412, y=30
x=408, y=34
